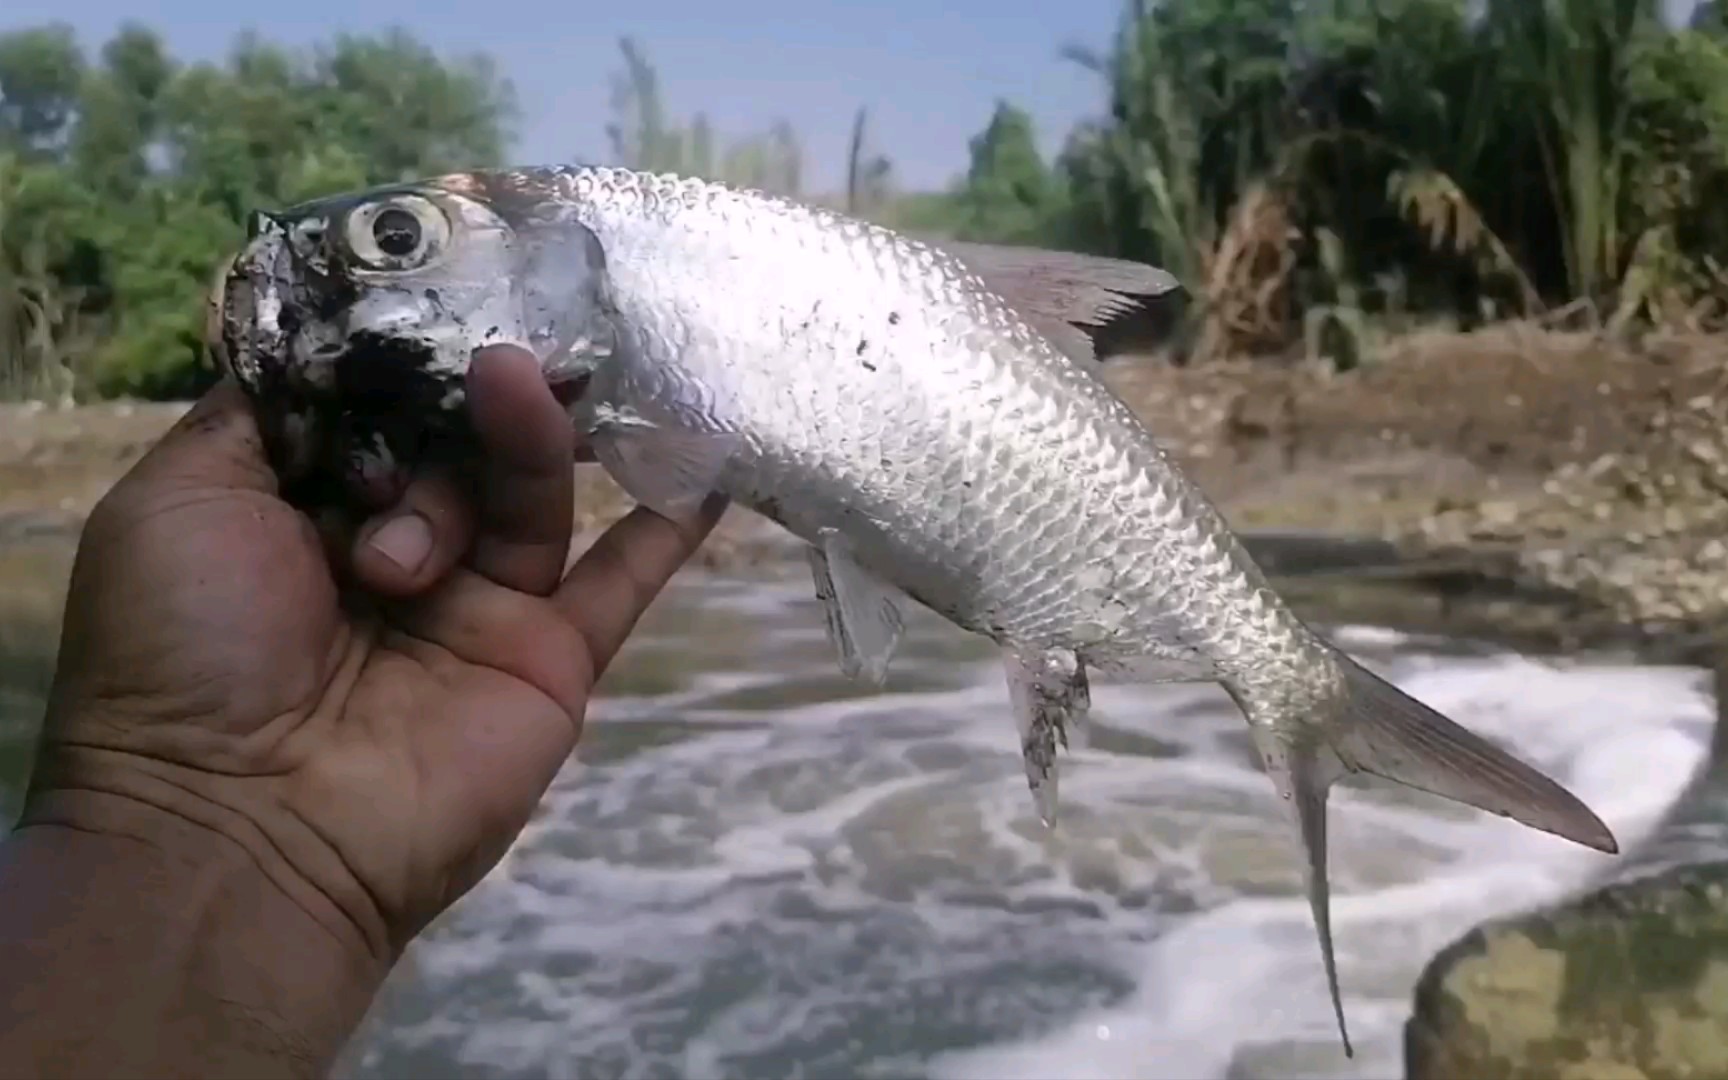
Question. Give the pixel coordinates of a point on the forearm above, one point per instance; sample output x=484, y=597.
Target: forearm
x=137, y=944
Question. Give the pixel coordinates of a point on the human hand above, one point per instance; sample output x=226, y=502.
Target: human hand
x=373, y=757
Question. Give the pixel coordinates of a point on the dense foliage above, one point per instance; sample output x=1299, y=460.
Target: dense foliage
x=1473, y=158
x=124, y=179
x=1310, y=170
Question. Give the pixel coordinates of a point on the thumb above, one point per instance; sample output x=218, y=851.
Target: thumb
x=215, y=445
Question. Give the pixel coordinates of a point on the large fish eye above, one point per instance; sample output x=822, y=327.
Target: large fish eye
x=396, y=232
x=403, y=232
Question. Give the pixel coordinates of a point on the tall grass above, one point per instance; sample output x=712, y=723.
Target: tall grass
x=1270, y=149
x=645, y=136
x=1573, y=60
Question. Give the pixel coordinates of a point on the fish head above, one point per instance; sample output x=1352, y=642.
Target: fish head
x=351, y=321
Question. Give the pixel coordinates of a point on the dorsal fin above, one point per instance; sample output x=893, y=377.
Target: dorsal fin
x=1089, y=306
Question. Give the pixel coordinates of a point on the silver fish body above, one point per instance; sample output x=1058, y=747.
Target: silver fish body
x=910, y=410
x=873, y=385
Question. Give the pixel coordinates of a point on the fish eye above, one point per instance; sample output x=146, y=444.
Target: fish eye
x=396, y=232
x=401, y=233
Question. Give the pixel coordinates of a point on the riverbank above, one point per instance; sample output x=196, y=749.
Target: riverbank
x=1543, y=488
x=1554, y=490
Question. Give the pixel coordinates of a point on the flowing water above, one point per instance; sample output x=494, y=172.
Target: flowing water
x=756, y=869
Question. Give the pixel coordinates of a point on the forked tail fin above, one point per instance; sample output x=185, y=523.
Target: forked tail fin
x=1377, y=728
x=1390, y=734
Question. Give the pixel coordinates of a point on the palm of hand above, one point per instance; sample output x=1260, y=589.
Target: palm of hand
x=388, y=750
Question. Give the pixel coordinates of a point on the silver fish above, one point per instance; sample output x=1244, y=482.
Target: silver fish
x=926, y=416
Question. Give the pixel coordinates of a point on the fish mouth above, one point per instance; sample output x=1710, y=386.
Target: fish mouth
x=246, y=340
x=346, y=417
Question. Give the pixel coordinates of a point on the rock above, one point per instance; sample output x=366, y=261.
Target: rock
x=1629, y=980
x=1633, y=532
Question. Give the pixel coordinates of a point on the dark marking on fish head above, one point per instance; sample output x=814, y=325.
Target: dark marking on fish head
x=339, y=319
x=351, y=322
x=394, y=415
x=515, y=195
x=301, y=329
x=893, y=318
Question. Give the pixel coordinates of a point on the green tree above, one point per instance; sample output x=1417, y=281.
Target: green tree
x=869, y=175
x=119, y=112
x=1570, y=60
x=639, y=133
x=415, y=112
x=643, y=135
x=41, y=70
x=140, y=171
x=1431, y=156
x=1009, y=195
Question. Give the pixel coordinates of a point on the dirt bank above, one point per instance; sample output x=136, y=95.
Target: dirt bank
x=1585, y=478
x=56, y=463
x=1573, y=486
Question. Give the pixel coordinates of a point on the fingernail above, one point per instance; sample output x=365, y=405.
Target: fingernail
x=405, y=541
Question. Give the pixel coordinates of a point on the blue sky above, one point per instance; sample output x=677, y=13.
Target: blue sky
x=929, y=70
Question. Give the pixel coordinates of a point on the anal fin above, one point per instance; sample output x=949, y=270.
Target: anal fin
x=1051, y=698
x=1365, y=724
x=863, y=616
x=668, y=469
x=1303, y=775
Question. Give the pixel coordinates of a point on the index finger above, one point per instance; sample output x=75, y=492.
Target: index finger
x=614, y=581
x=526, y=497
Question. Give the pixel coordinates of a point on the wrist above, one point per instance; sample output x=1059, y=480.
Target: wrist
x=171, y=947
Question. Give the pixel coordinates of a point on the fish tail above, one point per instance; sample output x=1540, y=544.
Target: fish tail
x=1388, y=733
x=1371, y=726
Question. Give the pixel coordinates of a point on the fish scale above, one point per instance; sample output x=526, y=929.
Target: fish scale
x=1032, y=600
x=925, y=415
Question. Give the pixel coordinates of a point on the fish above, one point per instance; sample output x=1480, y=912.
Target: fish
x=927, y=416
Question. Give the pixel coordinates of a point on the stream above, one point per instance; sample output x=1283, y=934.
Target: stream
x=755, y=868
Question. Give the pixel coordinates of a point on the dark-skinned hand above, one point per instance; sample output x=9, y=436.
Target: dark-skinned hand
x=374, y=731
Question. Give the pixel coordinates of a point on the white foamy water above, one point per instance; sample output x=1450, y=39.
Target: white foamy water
x=759, y=870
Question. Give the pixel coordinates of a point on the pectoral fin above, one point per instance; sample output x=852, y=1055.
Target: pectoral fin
x=667, y=469
x=863, y=616
x=1051, y=698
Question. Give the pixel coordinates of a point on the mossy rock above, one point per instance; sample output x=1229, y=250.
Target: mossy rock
x=1629, y=981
